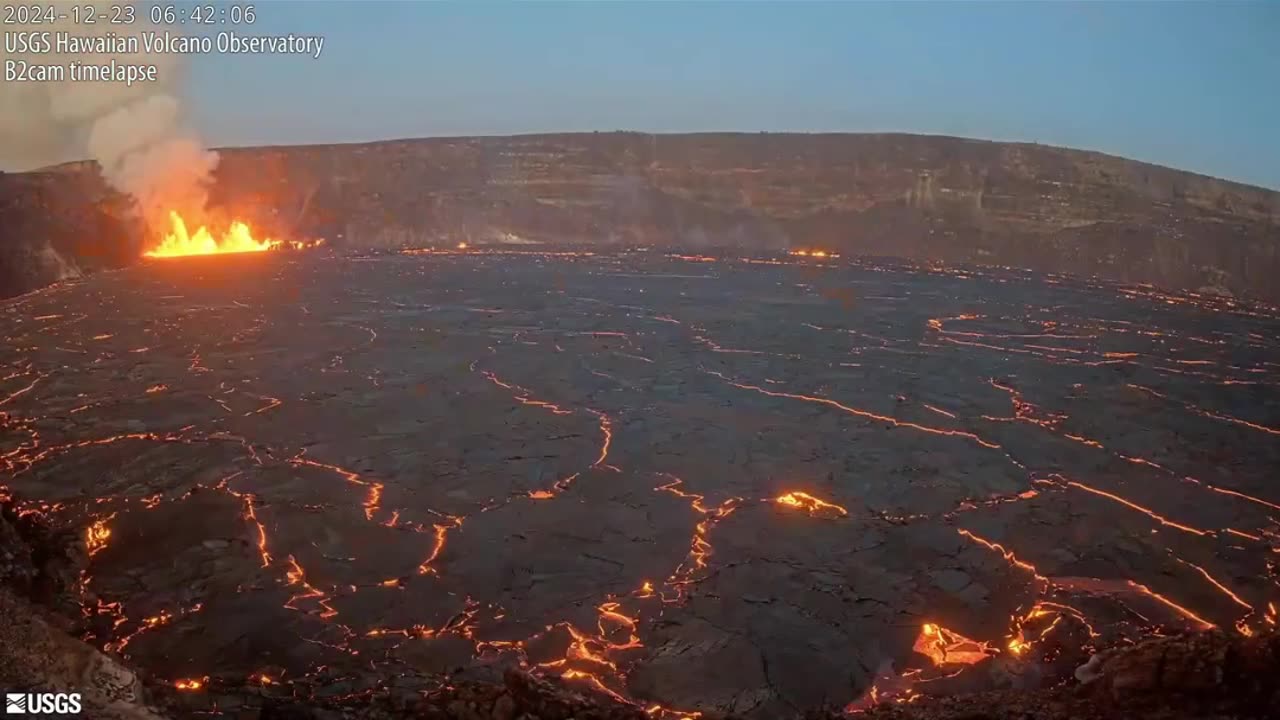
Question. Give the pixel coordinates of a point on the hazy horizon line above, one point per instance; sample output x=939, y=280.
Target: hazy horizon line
x=620, y=131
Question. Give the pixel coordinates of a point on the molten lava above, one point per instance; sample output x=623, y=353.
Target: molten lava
x=809, y=503
x=189, y=684
x=947, y=647
x=599, y=654
x=178, y=242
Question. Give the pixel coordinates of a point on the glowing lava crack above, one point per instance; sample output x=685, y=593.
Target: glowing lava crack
x=658, y=477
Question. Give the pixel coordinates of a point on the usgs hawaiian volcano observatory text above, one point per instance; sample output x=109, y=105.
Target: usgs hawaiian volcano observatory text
x=127, y=43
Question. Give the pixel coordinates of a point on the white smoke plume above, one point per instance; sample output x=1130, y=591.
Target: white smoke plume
x=135, y=132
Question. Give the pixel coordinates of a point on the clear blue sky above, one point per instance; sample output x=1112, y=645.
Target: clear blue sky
x=1187, y=84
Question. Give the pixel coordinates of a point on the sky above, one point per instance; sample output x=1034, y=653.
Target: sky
x=1191, y=85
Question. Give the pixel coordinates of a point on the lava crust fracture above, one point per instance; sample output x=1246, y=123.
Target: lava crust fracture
x=688, y=483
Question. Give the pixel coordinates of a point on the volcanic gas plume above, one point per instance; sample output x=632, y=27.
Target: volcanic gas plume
x=135, y=132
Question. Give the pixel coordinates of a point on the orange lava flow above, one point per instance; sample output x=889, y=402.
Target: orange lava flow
x=1207, y=413
x=18, y=393
x=1146, y=511
x=1242, y=496
x=1018, y=642
x=190, y=684
x=179, y=242
x=150, y=623
x=596, y=655
x=855, y=411
x=699, y=547
x=524, y=397
x=97, y=535
x=374, y=495
x=252, y=517
x=1204, y=624
x=296, y=576
x=1007, y=554
x=1214, y=581
x=813, y=253
x=441, y=531
x=249, y=514
x=1024, y=411
x=809, y=503
x=946, y=647
x=606, y=433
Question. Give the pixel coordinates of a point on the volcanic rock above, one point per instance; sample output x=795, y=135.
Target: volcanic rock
x=39, y=562
x=37, y=656
x=296, y=525
x=927, y=198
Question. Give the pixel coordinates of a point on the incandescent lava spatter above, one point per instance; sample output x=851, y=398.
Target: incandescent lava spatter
x=689, y=483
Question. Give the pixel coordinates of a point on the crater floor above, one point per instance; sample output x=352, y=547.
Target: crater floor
x=695, y=484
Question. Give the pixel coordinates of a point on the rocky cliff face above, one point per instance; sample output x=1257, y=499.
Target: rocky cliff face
x=919, y=197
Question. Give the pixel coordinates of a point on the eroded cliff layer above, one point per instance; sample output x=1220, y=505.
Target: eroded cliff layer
x=920, y=197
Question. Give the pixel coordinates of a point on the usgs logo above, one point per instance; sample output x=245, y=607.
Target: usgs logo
x=42, y=703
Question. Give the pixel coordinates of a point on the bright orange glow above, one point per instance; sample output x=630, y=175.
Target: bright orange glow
x=97, y=535
x=179, y=242
x=524, y=397
x=854, y=411
x=374, y=494
x=606, y=432
x=809, y=503
x=1216, y=583
x=813, y=253
x=946, y=647
x=598, y=652
x=1145, y=511
x=441, y=532
x=249, y=514
x=296, y=576
x=1007, y=554
x=700, y=547
x=1204, y=624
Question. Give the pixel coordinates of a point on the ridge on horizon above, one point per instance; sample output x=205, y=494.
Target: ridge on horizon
x=920, y=197
x=709, y=134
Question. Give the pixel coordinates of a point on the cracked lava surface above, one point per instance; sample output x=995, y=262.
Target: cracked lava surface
x=690, y=484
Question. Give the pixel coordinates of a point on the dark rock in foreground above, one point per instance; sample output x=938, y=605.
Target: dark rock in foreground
x=36, y=652
x=1193, y=676
x=1206, y=675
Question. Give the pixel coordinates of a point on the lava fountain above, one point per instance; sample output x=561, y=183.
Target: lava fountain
x=178, y=242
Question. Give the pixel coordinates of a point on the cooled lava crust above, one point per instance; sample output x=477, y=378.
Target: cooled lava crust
x=690, y=483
